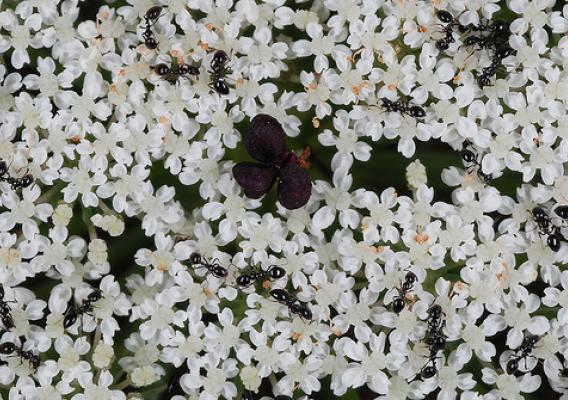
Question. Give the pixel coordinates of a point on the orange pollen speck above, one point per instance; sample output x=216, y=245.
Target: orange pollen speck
x=500, y=277
x=379, y=249
x=122, y=72
x=460, y=286
x=204, y=46
x=337, y=332
x=240, y=82
x=365, y=84
x=315, y=122
x=175, y=53
x=421, y=238
x=457, y=79
x=207, y=292
x=397, y=49
x=312, y=86
x=209, y=26
x=75, y=138
x=392, y=86
x=422, y=28
x=349, y=58
x=266, y=284
x=296, y=336
x=356, y=90
x=364, y=227
x=105, y=15
x=113, y=88
x=163, y=120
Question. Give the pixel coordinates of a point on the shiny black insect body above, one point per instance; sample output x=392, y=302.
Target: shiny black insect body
x=546, y=228
x=219, y=72
x=181, y=70
x=198, y=261
x=527, y=346
x=562, y=212
x=5, y=311
x=435, y=339
x=73, y=312
x=470, y=158
x=273, y=272
x=402, y=107
x=399, y=302
x=501, y=50
x=293, y=304
x=448, y=31
x=150, y=18
x=15, y=183
x=8, y=348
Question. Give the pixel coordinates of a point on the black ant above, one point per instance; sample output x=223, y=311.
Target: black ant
x=152, y=14
x=402, y=107
x=8, y=348
x=219, y=72
x=273, y=272
x=502, y=51
x=399, y=301
x=545, y=227
x=179, y=70
x=526, y=349
x=293, y=304
x=72, y=313
x=450, y=21
x=212, y=267
x=469, y=156
x=435, y=340
x=5, y=311
x=15, y=183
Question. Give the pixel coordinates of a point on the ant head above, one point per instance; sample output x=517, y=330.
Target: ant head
x=435, y=311
x=95, y=295
x=151, y=43
x=538, y=213
x=417, y=112
x=276, y=272
x=512, y=366
x=243, y=280
x=428, y=371
x=442, y=45
x=161, y=69
x=398, y=304
x=195, y=258
x=306, y=313
x=153, y=13
x=7, y=348
x=444, y=16
x=280, y=295
x=219, y=271
x=26, y=180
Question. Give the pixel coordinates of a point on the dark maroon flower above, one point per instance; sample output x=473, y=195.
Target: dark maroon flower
x=265, y=143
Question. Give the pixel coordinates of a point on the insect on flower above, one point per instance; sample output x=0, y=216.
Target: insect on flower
x=265, y=143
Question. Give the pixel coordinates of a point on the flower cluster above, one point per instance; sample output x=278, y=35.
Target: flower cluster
x=142, y=254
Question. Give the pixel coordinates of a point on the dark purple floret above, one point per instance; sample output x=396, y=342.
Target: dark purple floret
x=265, y=143
x=295, y=187
x=256, y=179
x=265, y=139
